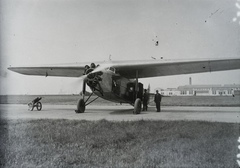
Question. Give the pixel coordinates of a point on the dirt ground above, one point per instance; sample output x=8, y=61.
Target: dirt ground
x=123, y=113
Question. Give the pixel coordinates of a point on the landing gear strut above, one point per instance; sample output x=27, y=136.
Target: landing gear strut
x=138, y=102
x=81, y=105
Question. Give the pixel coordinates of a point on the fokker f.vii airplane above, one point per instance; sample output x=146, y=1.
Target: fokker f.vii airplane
x=117, y=81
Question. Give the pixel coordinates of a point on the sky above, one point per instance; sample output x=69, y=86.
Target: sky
x=38, y=32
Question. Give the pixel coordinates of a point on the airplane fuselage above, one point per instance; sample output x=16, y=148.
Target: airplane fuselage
x=114, y=87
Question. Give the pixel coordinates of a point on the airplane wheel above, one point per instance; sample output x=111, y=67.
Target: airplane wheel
x=137, y=106
x=39, y=106
x=80, y=106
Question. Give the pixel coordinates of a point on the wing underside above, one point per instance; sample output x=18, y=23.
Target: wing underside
x=167, y=68
x=145, y=69
x=50, y=71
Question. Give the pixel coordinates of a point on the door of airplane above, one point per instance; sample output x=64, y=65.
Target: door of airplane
x=131, y=93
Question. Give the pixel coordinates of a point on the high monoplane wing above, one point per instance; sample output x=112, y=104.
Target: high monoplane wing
x=150, y=68
x=155, y=68
x=61, y=71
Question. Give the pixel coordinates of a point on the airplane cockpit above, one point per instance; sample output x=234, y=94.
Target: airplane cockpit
x=112, y=69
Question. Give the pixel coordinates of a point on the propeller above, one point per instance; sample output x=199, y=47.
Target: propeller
x=92, y=76
x=78, y=82
x=101, y=67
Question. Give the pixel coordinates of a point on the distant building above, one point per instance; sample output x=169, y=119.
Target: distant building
x=169, y=91
x=202, y=90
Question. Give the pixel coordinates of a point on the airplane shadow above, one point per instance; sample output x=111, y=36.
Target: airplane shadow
x=125, y=112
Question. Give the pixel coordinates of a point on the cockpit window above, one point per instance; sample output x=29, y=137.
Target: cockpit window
x=112, y=69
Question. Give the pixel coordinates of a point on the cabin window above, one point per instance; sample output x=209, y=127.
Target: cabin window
x=112, y=69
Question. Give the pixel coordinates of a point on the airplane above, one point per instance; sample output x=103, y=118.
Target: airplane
x=117, y=81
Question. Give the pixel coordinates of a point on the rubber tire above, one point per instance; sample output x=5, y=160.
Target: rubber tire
x=137, y=106
x=39, y=106
x=80, y=106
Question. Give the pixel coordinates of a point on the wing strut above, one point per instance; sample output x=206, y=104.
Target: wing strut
x=136, y=87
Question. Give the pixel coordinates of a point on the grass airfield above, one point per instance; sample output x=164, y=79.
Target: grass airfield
x=101, y=143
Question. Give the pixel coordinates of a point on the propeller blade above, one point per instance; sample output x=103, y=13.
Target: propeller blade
x=101, y=67
x=78, y=83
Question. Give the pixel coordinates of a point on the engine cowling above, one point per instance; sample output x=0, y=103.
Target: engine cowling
x=92, y=78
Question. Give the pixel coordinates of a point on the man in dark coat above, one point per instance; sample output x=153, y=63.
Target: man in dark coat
x=157, y=100
x=145, y=100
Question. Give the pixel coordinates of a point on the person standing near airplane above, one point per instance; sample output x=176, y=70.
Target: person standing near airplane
x=145, y=100
x=157, y=100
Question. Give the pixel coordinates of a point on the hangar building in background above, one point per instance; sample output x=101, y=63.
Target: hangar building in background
x=202, y=90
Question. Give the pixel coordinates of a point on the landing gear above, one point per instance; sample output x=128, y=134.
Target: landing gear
x=138, y=102
x=80, y=106
x=92, y=79
x=137, y=106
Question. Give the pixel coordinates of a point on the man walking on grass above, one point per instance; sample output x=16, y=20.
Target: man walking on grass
x=157, y=100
